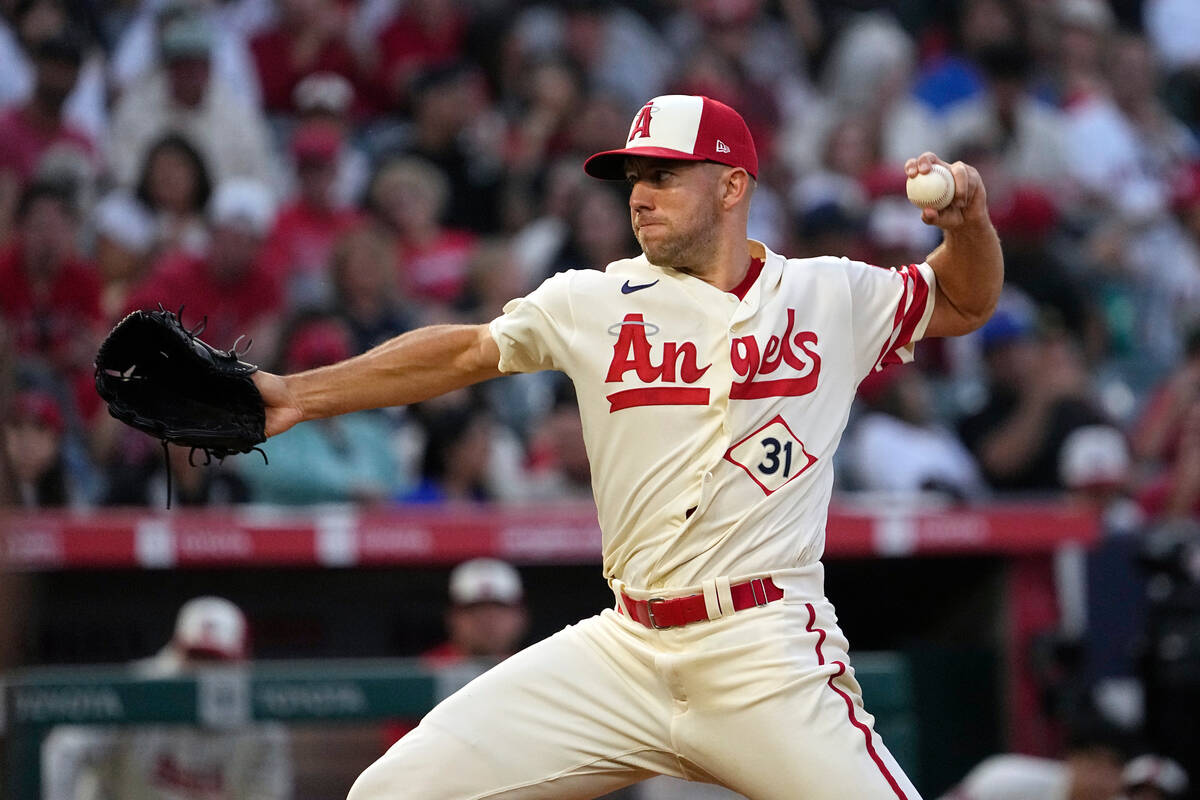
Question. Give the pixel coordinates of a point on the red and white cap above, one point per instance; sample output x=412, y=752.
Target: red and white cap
x=485, y=580
x=211, y=627
x=683, y=127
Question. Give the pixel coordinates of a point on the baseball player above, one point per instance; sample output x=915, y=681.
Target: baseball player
x=714, y=380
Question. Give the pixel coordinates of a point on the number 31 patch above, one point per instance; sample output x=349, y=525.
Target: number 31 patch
x=771, y=456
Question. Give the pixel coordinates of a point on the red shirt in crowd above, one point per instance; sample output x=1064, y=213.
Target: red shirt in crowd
x=407, y=46
x=26, y=141
x=59, y=320
x=303, y=238
x=278, y=72
x=233, y=309
x=437, y=271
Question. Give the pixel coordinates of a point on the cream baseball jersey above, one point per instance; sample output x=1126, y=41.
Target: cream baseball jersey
x=711, y=421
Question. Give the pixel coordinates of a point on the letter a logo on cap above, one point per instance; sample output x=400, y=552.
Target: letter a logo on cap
x=641, y=123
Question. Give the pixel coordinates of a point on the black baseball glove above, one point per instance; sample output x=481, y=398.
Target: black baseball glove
x=155, y=375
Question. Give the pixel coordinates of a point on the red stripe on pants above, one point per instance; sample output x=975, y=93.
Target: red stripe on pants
x=866, y=731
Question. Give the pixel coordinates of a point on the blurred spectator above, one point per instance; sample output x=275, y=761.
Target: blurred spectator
x=31, y=129
x=143, y=481
x=29, y=24
x=455, y=129
x=486, y=620
x=1157, y=435
x=558, y=464
x=1027, y=217
x=185, y=96
x=1037, y=395
x=1084, y=28
x=137, y=53
x=309, y=37
x=339, y=460
x=1167, y=439
x=125, y=239
x=174, y=762
x=618, y=50
x=1176, y=492
x=1125, y=135
x=1130, y=140
x=901, y=427
x=1090, y=770
x=766, y=52
x=599, y=231
x=1152, y=777
x=868, y=71
x=848, y=154
x=1094, y=465
x=327, y=98
x=408, y=196
x=549, y=94
x=424, y=34
x=365, y=288
x=33, y=438
x=1173, y=27
x=1022, y=131
x=228, y=285
x=175, y=187
x=458, y=449
x=298, y=250
x=49, y=296
x=953, y=77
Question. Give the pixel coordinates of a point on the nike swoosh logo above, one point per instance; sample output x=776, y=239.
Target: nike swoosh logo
x=627, y=289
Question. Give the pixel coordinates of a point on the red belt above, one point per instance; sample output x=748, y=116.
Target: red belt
x=671, y=612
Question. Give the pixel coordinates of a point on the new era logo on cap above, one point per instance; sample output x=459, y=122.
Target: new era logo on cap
x=684, y=127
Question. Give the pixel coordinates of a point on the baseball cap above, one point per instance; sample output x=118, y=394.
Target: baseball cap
x=121, y=218
x=683, y=127
x=1151, y=770
x=323, y=91
x=1094, y=456
x=244, y=203
x=485, y=580
x=1006, y=325
x=212, y=627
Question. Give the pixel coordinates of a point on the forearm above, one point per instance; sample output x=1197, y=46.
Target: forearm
x=969, y=266
x=412, y=367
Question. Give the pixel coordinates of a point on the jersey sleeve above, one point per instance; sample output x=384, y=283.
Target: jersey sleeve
x=890, y=309
x=535, y=331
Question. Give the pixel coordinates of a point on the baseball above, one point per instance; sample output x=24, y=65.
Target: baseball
x=933, y=189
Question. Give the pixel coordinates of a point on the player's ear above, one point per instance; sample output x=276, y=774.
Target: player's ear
x=736, y=185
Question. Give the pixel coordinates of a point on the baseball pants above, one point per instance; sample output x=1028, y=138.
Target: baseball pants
x=762, y=701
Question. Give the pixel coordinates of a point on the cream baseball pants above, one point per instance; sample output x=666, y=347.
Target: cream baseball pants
x=762, y=701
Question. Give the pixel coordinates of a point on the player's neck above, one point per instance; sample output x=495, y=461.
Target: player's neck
x=728, y=267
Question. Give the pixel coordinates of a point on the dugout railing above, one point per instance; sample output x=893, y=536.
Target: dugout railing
x=34, y=701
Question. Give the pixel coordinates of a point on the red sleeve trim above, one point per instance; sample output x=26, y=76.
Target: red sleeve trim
x=909, y=311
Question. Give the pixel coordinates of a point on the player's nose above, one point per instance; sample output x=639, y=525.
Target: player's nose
x=641, y=196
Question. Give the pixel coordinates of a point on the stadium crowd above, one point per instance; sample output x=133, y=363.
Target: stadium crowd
x=320, y=175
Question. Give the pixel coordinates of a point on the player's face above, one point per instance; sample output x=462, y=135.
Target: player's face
x=674, y=207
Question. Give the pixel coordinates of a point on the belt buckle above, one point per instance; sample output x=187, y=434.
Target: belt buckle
x=650, y=613
x=756, y=585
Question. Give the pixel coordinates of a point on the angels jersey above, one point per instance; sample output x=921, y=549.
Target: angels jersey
x=711, y=421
